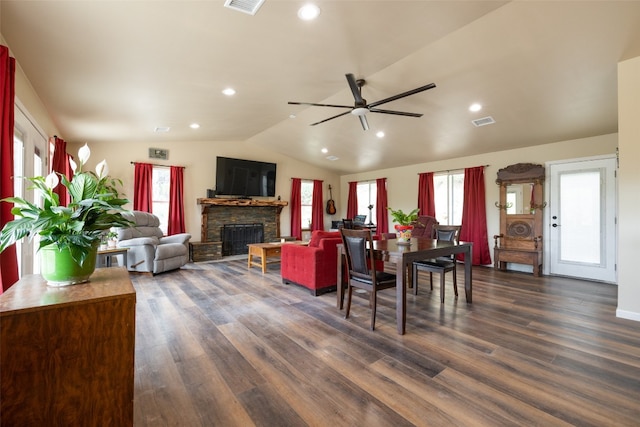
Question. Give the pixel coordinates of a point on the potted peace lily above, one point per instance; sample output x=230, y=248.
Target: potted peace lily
x=404, y=223
x=69, y=235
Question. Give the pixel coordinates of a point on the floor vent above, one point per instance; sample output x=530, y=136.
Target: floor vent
x=483, y=121
x=245, y=6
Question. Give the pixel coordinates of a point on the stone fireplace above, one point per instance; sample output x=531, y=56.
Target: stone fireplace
x=218, y=213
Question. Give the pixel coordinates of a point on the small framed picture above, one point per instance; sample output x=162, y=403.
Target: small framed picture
x=158, y=153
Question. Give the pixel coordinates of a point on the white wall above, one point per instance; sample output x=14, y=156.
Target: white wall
x=629, y=189
x=402, y=183
x=28, y=97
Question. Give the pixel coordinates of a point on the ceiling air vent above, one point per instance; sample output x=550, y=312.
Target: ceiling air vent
x=483, y=121
x=246, y=6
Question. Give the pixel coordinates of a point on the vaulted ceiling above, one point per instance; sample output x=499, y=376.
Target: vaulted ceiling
x=115, y=70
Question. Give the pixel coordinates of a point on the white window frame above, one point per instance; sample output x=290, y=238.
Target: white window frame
x=449, y=196
x=160, y=193
x=370, y=190
x=306, y=203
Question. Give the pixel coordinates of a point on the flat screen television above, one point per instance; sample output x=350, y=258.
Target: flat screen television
x=245, y=178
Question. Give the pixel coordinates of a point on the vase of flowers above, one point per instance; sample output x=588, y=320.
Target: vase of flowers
x=404, y=224
x=69, y=235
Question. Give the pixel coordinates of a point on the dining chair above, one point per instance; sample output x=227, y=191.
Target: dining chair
x=362, y=272
x=441, y=265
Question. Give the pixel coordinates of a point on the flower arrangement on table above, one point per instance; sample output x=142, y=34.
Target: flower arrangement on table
x=95, y=207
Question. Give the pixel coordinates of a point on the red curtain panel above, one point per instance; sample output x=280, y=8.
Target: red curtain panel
x=382, y=214
x=352, y=200
x=60, y=164
x=176, y=201
x=317, y=206
x=474, y=215
x=426, y=196
x=296, y=208
x=8, y=259
x=142, y=186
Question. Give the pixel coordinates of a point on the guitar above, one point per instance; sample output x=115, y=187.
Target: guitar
x=331, y=205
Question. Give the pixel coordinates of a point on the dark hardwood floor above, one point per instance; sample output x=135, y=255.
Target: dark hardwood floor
x=220, y=345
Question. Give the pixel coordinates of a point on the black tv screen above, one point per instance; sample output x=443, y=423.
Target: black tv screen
x=247, y=178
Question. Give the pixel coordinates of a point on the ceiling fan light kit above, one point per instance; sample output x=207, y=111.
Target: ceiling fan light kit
x=361, y=108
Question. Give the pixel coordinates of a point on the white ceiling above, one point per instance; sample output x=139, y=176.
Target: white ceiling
x=114, y=70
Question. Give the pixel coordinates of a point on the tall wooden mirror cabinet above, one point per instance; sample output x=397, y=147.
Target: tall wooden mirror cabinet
x=521, y=204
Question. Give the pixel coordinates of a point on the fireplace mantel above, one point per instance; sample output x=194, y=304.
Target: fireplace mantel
x=241, y=202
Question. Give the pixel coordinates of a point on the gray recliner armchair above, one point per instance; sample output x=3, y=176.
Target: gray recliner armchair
x=149, y=250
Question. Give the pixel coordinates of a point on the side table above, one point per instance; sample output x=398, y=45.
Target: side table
x=104, y=256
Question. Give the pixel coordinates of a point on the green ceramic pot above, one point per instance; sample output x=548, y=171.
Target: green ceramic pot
x=59, y=269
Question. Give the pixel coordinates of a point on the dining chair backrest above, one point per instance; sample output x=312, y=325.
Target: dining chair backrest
x=357, y=254
x=449, y=233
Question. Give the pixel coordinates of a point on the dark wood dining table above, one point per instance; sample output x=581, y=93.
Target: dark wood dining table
x=403, y=257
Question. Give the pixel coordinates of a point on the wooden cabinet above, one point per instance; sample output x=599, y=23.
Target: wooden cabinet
x=67, y=354
x=521, y=204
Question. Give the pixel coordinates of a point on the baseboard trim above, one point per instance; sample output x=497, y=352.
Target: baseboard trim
x=624, y=314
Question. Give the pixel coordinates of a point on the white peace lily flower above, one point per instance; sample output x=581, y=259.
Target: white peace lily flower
x=52, y=180
x=102, y=169
x=84, y=153
x=73, y=164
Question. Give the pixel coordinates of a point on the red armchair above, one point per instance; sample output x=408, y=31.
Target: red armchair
x=314, y=266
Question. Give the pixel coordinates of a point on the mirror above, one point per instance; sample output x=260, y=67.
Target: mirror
x=519, y=198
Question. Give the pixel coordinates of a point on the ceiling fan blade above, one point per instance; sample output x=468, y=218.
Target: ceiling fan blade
x=355, y=90
x=402, y=95
x=330, y=118
x=397, y=113
x=363, y=122
x=319, y=105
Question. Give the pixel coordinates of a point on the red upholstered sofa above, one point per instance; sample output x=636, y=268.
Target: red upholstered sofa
x=314, y=266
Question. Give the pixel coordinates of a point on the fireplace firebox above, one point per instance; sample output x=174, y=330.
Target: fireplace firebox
x=236, y=237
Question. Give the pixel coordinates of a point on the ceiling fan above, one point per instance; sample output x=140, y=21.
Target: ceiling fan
x=361, y=108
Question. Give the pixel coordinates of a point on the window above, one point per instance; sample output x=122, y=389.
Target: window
x=367, y=194
x=29, y=143
x=449, y=194
x=306, y=201
x=161, y=180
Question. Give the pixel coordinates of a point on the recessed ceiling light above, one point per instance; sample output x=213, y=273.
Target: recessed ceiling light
x=229, y=91
x=324, y=151
x=292, y=116
x=162, y=129
x=475, y=107
x=332, y=158
x=380, y=134
x=194, y=126
x=308, y=12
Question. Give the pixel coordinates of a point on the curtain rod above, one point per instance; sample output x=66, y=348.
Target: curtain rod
x=306, y=179
x=161, y=166
x=451, y=170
